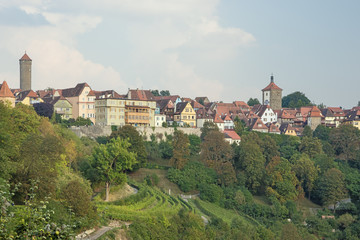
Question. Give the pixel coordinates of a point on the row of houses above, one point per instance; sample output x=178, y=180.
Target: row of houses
x=141, y=108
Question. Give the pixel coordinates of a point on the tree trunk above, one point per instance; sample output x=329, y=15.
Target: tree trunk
x=309, y=195
x=107, y=190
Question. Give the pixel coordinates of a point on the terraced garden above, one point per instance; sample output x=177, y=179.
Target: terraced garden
x=148, y=202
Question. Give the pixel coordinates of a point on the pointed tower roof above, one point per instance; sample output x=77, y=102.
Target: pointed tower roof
x=5, y=90
x=25, y=58
x=272, y=85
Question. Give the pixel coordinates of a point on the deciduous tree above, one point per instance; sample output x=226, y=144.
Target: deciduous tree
x=112, y=160
x=181, y=150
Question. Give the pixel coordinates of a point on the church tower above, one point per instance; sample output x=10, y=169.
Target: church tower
x=272, y=95
x=25, y=72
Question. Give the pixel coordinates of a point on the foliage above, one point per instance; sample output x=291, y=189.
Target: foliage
x=192, y=176
x=207, y=128
x=210, y=192
x=295, y=100
x=239, y=126
x=307, y=132
x=307, y=173
x=253, y=101
x=195, y=144
x=137, y=143
x=80, y=121
x=181, y=150
x=252, y=163
x=331, y=187
x=44, y=109
x=216, y=153
x=346, y=141
x=321, y=132
x=112, y=160
x=281, y=180
x=311, y=146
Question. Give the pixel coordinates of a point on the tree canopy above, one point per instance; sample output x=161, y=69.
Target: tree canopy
x=295, y=100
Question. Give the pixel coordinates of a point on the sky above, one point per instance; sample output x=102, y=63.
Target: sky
x=223, y=49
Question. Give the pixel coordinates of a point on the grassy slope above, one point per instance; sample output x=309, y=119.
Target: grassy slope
x=164, y=183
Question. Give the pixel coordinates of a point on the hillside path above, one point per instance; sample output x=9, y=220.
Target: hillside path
x=99, y=233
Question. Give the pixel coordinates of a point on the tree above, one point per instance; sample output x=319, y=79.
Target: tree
x=252, y=162
x=181, y=150
x=155, y=93
x=208, y=127
x=195, y=144
x=331, y=187
x=307, y=132
x=216, y=153
x=346, y=141
x=289, y=231
x=44, y=109
x=321, y=132
x=240, y=126
x=295, y=100
x=137, y=143
x=306, y=172
x=253, y=101
x=112, y=160
x=310, y=146
x=164, y=93
x=281, y=180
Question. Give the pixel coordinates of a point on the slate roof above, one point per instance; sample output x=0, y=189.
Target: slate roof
x=28, y=93
x=76, y=91
x=5, y=90
x=353, y=115
x=180, y=107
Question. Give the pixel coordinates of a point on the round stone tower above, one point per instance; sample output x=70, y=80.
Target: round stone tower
x=25, y=72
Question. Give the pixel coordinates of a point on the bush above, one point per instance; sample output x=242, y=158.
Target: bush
x=210, y=192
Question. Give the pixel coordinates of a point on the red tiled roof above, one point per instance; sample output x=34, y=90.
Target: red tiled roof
x=257, y=123
x=5, y=90
x=138, y=94
x=25, y=58
x=271, y=86
x=217, y=119
x=195, y=104
x=315, y=112
x=232, y=134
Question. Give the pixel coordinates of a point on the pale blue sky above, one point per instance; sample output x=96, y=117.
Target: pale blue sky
x=225, y=49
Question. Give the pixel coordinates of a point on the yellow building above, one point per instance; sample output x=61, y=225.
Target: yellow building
x=140, y=112
x=28, y=97
x=353, y=118
x=185, y=114
x=119, y=111
x=110, y=111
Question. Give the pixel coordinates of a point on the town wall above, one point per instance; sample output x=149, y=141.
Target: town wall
x=95, y=131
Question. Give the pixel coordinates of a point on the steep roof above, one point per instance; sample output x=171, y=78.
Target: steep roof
x=230, y=133
x=272, y=85
x=138, y=94
x=107, y=94
x=25, y=57
x=76, y=91
x=164, y=103
x=273, y=128
x=257, y=124
x=28, y=93
x=203, y=114
x=5, y=90
x=218, y=119
x=195, y=104
x=173, y=98
x=54, y=100
x=243, y=105
x=315, y=112
x=180, y=107
x=259, y=109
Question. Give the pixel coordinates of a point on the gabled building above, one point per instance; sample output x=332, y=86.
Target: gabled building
x=61, y=106
x=137, y=94
x=314, y=117
x=332, y=116
x=266, y=114
x=28, y=97
x=353, y=118
x=203, y=116
x=228, y=122
x=272, y=128
x=231, y=136
x=242, y=105
x=287, y=129
x=6, y=95
x=256, y=124
x=82, y=99
x=185, y=114
x=219, y=122
x=202, y=100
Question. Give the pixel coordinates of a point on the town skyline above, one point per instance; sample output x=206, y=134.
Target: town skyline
x=225, y=50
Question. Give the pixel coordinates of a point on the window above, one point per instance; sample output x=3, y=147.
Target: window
x=83, y=106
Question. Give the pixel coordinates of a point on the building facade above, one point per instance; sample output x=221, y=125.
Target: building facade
x=25, y=72
x=272, y=95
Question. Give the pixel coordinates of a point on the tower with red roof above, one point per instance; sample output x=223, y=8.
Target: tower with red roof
x=25, y=72
x=272, y=95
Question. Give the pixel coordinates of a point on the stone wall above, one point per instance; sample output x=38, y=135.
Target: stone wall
x=93, y=131
x=105, y=131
